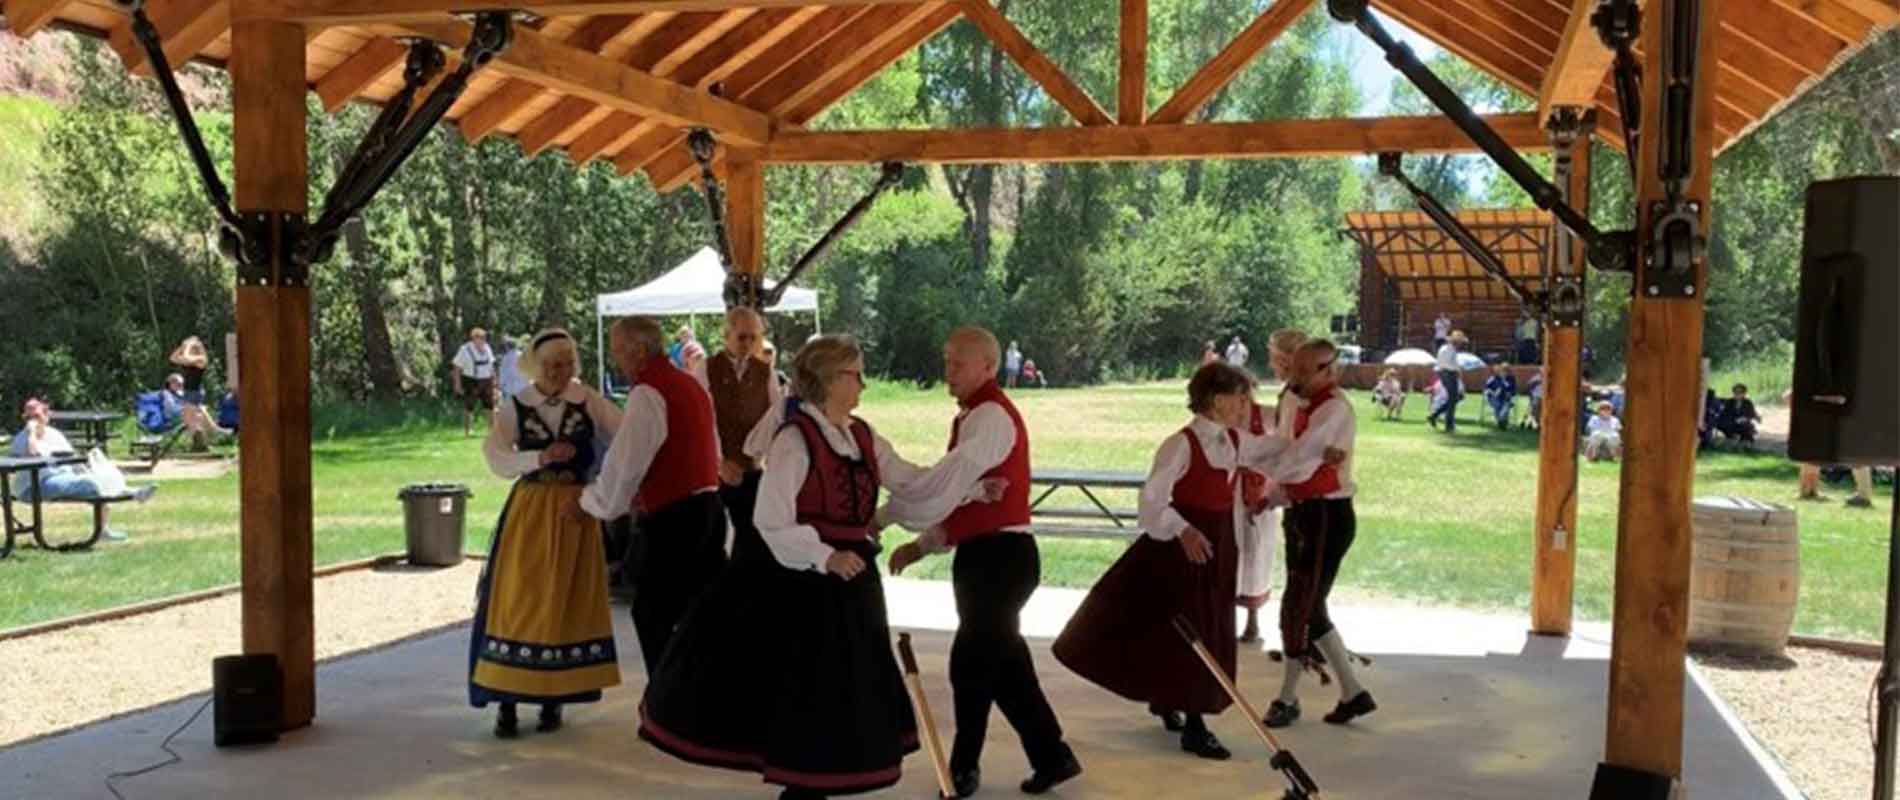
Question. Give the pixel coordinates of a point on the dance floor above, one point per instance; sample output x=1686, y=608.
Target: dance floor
x=1469, y=707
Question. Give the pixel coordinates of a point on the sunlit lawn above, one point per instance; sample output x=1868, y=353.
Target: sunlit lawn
x=1442, y=519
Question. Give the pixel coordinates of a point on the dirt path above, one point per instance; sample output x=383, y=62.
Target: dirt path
x=1809, y=709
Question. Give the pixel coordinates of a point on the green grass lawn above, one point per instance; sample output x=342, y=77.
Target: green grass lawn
x=1442, y=519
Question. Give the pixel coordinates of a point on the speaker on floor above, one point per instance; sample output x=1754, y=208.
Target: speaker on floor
x=1627, y=783
x=1846, y=395
x=247, y=699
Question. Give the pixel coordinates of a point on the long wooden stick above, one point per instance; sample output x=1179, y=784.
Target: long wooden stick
x=926, y=724
x=1300, y=784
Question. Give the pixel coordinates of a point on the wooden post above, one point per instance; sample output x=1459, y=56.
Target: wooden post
x=273, y=320
x=1131, y=105
x=745, y=211
x=1644, y=731
x=1554, y=567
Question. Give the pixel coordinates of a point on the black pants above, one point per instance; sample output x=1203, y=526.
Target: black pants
x=989, y=662
x=1304, y=524
x=684, y=549
x=739, y=501
x=1454, y=391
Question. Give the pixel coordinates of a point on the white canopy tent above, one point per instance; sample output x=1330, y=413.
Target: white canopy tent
x=697, y=286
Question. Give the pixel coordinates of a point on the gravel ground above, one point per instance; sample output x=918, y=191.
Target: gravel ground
x=1808, y=708
x=58, y=680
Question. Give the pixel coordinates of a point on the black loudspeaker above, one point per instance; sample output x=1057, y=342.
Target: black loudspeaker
x=1846, y=397
x=247, y=699
x=1624, y=783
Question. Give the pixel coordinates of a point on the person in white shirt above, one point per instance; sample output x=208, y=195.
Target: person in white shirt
x=831, y=715
x=1012, y=364
x=1259, y=532
x=1237, y=353
x=542, y=632
x=508, y=369
x=474, y=365
x=1441, y=330
x=997, y=568
x=1314, y=473
x=1452, y=378
x=40, y=439
x=1603, y=437
x=663, y=463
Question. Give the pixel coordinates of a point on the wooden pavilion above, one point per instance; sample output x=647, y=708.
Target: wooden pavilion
x=1410, y=271
x=623, y=80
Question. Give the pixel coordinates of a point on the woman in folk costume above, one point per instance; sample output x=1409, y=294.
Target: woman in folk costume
x=1122, y=637
x=542, y=632
x=1258, y=536
x=830, y=715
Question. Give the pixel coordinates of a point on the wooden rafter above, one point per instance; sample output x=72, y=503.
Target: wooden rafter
x=1060, y=87
x=1883, y=13
x=1271, y=139
x=27, y=17
x=358, y=72
x=1845, y=24
x=1782, y=33
x=576, y=72
x=830, y=25
x=360, y=12
x=507, y=101
x=185, y=27
x=1221, y=69
x=1131, y=97
x=1582, y=61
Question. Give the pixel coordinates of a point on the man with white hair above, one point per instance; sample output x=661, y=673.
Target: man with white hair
x=664, y=463
x=997, y=568
x=743, y=389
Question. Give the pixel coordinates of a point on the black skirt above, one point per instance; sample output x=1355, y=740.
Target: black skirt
x=1123, y=639
x=788, y=674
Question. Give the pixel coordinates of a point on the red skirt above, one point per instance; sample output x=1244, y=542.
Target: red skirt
x=1123, y=637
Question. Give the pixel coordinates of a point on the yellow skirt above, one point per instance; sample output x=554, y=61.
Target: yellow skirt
x=543, y=632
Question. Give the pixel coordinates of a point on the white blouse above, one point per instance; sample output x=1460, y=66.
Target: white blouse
x=1158, y=518
x=506, y=460
x=798, y=546
x=984, y=439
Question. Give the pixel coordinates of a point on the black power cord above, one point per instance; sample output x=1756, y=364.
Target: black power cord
x=165, y=746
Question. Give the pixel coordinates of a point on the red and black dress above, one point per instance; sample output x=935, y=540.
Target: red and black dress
x=1123, y=639
x=789, y=672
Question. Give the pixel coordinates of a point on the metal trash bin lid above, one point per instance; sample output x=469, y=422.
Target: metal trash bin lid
x=434, y=490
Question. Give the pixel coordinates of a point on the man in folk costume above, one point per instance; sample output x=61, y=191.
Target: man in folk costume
x=996, y=569
x=1320, y=526
x=664, y=463
x=1258, y=533
x=743, y=390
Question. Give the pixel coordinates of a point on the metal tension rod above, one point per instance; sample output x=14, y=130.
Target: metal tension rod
x=1391, y=166
x=891, y=173
x=699, y=142
x=1609, y=251
x=1618, y=23
x=147, y=36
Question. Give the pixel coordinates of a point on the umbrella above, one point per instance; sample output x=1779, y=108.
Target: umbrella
x=1411, y=357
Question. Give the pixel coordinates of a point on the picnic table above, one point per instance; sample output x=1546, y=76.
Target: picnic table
x=88, y=428
x=31, y=467
x=1087, y=483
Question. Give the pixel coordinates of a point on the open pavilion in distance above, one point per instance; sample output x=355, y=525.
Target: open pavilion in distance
x=625, y=80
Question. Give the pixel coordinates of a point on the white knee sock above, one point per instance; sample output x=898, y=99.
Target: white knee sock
x=1341, y=662
x=1290, y=683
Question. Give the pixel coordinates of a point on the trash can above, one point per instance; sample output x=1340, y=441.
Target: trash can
x=432, y=515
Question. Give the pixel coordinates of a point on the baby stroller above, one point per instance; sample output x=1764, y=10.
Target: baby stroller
x=158, y=431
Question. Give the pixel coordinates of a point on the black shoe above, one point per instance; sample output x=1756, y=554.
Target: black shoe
x=1280, y=715
x=1202, y=743
x=1432, y=421
x=1172, y=721
x=966, y=782
x=1045, y=779
x=550, y=718
x=506, y=726
x=1360, y=705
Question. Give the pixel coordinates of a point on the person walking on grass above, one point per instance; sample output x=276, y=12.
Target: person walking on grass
x=472, y=373
x=542, y=631
x=1452, y=377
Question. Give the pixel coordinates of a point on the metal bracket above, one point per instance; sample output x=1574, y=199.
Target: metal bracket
x=262, y=247
x=1619, y=23
x=1565, y=301
x=1676, y=251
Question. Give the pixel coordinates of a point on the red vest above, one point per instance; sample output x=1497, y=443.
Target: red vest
x=1325, y=480
x=688, y=461
x=1253, y=485
x=1204, y=488
x=839, y=497
x=978, y=519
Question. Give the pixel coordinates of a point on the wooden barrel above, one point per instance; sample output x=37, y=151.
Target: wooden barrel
x=1746, y=575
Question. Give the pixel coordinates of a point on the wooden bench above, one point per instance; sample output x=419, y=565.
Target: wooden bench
x=98, y=516
x=1110, y=523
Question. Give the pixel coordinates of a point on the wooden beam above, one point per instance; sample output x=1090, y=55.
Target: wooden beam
x=1554, y=541
x=1582, y=61
x=657, y=55
x=1455, y=35
x=496, y=109
x=1847, y=25
x=1131, y=106
x=359, y=72
x=557, y=122
x=1062, y=89
x=185, y=27
x=1782, y=33
x=1301, y=138
x=1884, y=13
x=745, y=213
x=1649, y=632
x=1221, y=69
x=269, y=153
x=537, y=59
x=362, y=12
x=27, y=17
x=811, y=74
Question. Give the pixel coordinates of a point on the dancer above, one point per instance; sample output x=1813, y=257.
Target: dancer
x=1320, y=526
x=997, y=567
x=831, y=716
x=664, y=462
x=1257, y=533
x=542, y=631
x=743, y=390
x=1123, y=637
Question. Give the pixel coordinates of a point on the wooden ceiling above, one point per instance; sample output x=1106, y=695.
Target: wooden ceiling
x=619, y=80
x=1425, y=264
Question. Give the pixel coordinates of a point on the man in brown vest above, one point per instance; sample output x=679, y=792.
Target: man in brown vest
x=743, y=390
